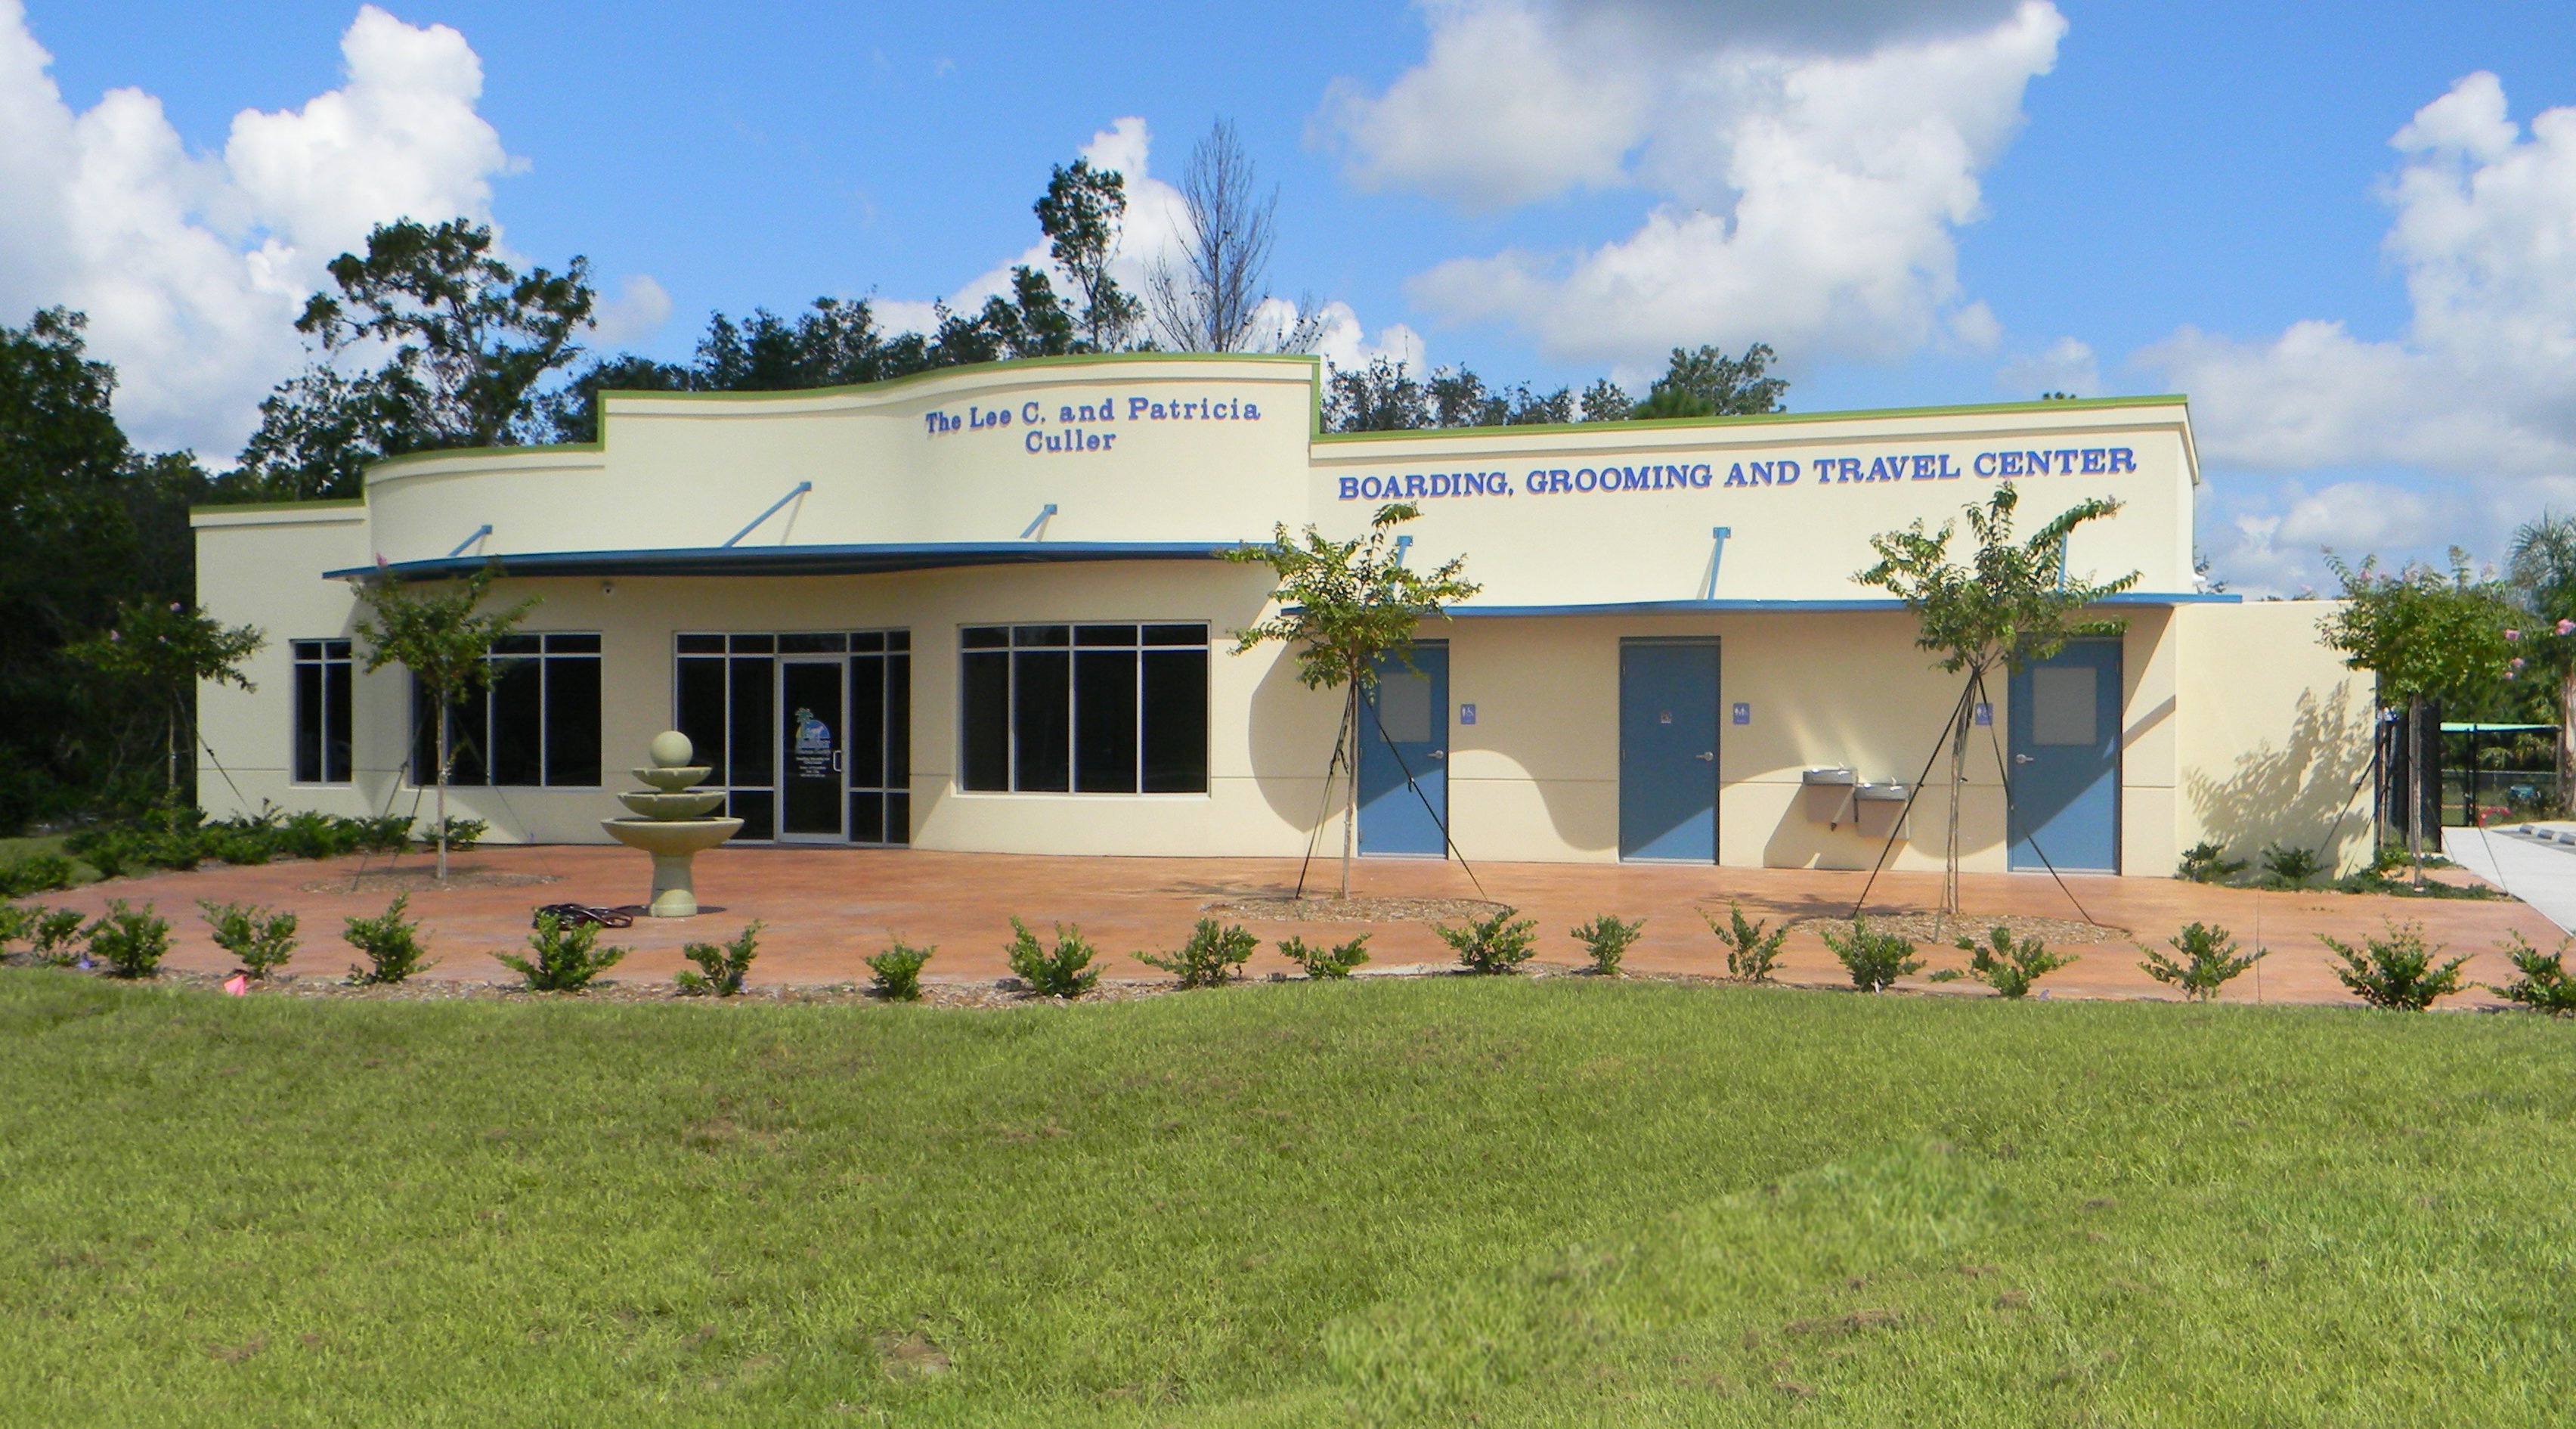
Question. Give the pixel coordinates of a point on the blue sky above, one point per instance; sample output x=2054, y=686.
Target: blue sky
x=2097, y=180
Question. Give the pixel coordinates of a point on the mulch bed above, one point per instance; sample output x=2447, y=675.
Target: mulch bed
x=1354, y=910
x=402, y=878
x=1918, y=927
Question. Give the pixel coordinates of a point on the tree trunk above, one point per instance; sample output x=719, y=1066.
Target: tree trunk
x=1350, y=783
x=2566, y=798
x=170, y=755
x=2415, y=785
x=444, y=759
x=1958, y=783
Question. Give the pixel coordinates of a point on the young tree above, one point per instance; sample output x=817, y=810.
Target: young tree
x=164, y=653
x=2011, y=603
x=1211, y=300
x=446, y=644
x=1607, y=401
x=2542, y=570
x=466, y=341
x=2425, y=634
x=1345, y=606
x=1081, y=213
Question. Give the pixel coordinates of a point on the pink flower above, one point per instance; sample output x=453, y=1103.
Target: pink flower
x=2512, y=634
x=2567, y=627
x=2517, y=662
x=112, y=635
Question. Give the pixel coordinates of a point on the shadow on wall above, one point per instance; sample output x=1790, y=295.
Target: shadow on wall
x=2293, y=794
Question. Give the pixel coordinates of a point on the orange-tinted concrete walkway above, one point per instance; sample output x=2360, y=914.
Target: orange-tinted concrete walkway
x=825, y=909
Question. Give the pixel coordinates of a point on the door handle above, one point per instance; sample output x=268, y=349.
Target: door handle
x=1439, y=754
x=2024, y=758
x=1710, y=756
x=836, y=761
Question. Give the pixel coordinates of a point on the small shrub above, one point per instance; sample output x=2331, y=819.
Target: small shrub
x=2207, y=862
x=2005, y=963
x=2287, y=867
x=462, y=832
x=1064, y=972
x=1323, y=964
x=2545, y=985
x=2397, y=972
x=1607, y=940
x=390, y=943
x=386, y=833
x=1212, y=955
x=1751, y=953
x=1874, y=960
x=898, y=972
x=129, y=942
x=52, y=935
x=2209, y=961
x=1492, y=945
x=567, y=956
x=721, y=966
x=35, y=873
x=16, y=924
x=259, y=940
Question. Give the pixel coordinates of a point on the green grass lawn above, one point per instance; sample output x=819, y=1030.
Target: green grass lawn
x=1531, y=1202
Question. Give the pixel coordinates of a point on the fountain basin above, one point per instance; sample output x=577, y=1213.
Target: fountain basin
x=672, y=843
x=687, y=804
x=674, y=779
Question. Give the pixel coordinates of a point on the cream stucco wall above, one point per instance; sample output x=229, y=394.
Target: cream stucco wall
x=2275, y=737
x=2233, y=718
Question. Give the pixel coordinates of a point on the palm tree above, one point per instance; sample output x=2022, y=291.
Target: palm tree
x=2542, y=572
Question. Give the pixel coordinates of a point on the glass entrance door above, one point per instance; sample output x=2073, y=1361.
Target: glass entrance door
x=812, y=745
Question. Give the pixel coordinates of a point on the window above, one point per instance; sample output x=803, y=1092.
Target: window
x=321, y=711
x=724, y=698
x=534, y=723
x=1086, y=709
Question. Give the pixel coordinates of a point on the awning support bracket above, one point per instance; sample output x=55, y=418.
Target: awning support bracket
x=479, y=533
x=1045, y=513
x=1719, y=535
x=775, y=507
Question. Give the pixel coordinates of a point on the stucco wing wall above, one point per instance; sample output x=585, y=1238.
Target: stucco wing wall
x=262, y=567
x=2275, y=736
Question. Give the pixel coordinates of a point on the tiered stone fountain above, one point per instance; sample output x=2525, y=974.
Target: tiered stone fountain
x=669, y=822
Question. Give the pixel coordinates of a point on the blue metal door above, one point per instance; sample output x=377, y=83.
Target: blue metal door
x=1668, y=751
x=2066, y=760
x=1404, y=757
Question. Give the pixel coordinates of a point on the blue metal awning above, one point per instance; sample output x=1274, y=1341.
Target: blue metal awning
x=792, y=560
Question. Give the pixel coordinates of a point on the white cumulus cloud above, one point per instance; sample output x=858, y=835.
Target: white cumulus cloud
x=2066, y=366
x=193, y=267
x=2478, y=392
x=1810, y=174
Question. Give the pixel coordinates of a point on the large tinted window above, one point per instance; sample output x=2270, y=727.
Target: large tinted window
x=1097, y=709
x=534, y=722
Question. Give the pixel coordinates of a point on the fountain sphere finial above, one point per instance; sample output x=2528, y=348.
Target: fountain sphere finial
x=670, y=750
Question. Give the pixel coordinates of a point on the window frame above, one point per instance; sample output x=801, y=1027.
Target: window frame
x=330, y=652
x=1005, y=642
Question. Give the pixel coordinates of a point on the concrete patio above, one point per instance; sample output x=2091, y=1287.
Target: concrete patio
x=825, y=909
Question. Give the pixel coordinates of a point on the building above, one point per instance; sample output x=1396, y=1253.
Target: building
x=985, y=609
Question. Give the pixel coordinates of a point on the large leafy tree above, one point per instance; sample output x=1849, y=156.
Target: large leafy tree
x=1343, y=608
x=444, y=638
x=454, y=348
x=2009, y=603
x=1082, y=213
x=2426, y=633
x=1708, y=383
x=86, y=524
